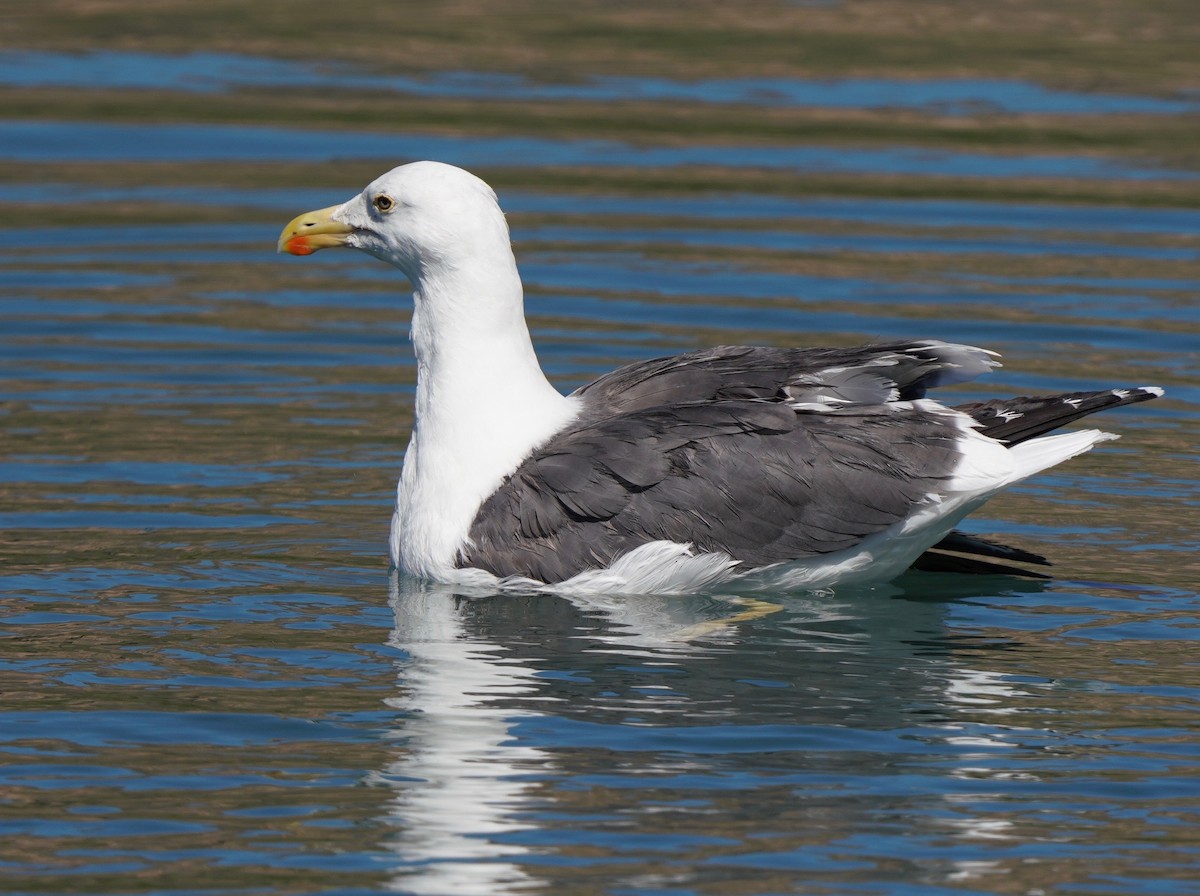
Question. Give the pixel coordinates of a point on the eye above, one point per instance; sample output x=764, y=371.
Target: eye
x=384, y=203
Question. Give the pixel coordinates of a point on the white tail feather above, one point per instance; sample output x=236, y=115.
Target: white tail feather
x=1044, y=452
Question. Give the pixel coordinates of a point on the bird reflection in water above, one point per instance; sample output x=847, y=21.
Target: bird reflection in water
x=517, y=712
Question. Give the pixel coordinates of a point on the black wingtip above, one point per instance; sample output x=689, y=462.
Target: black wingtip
x=1145, y=393
x=962, y=543
x=1014, y=420
x=936, y=561
x=961, y=553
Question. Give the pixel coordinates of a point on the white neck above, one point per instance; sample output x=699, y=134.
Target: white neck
x=482, y=404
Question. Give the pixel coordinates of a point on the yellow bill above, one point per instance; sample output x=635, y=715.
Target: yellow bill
x=307, y=233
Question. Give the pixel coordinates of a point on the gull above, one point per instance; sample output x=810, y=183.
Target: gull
x=737, y=466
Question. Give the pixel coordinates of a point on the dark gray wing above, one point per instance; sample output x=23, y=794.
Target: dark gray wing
x=823, y=377
x=754, y=479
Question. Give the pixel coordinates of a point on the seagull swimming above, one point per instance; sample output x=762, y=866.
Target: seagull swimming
x=735, y=465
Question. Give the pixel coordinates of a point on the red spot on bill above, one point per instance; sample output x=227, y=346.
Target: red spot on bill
x=299, y=245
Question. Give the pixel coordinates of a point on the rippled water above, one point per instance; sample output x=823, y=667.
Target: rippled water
x=211, y=683
x=87, y=141
x=217, y=72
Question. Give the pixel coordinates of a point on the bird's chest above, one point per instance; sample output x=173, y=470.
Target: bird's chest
x=447, y=475
x=438, y=496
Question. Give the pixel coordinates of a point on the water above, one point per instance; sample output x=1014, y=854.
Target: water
x=27, y=141
x=211, y=683
x=222, y=72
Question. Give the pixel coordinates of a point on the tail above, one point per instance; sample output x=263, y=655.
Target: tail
x=1044, y=452
x=1020, y=422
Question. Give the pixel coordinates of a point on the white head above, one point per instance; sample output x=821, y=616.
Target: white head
x=482, y=401
x=422, y=217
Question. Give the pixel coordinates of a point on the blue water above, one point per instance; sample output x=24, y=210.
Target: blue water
x=220, y=72
x=51, y=141
x=212, y=684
